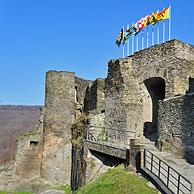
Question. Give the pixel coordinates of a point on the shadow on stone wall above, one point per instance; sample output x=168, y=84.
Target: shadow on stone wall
x=107, y=159
x=189, y=154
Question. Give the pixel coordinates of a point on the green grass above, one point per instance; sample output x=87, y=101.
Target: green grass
x=65, y=188
x=117, y=181
x=9, y=192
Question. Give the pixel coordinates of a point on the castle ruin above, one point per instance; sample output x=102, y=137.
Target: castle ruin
x=148, y=96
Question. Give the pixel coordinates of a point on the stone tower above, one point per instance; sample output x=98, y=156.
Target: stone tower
x=59, y=117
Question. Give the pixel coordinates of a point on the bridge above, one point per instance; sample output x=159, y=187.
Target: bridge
x=165, y=178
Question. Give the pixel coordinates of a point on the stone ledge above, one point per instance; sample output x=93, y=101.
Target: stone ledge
x=108, y=149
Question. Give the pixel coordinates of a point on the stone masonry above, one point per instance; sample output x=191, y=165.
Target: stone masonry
x=135, y=85
x=58, y=119
x=149, y=94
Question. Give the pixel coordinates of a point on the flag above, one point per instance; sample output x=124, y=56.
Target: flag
x=152, y=19
x=136, y=29
x=146, y=19
x=164, y=14
x=142, y=23
x=119, y=38
x=138, y=26
x=129, y=32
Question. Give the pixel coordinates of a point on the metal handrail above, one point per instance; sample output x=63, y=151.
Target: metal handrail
x=104, y=132
x=168, y=171
x=114, y=129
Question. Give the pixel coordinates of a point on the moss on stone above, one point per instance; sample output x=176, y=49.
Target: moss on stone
x=78, y=131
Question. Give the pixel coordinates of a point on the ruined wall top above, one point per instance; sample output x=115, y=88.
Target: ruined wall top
x=59, y=103
x=95, y=99
x=175, y=48
x=173, y=61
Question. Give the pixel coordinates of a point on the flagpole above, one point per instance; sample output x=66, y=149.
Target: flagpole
x=128, y=48
x=163, y=31
x=128, y=42
x=152, y=35
x=142, y=41
x=170, y=7
x=158, y=33
x=132, y=41
x=123, y=45
x=137, y=43
x=147, y=38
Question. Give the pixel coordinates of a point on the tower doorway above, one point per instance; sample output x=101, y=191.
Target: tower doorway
x=156, y=89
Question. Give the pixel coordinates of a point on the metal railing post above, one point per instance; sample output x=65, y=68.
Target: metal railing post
x=180, y=179
x=144, y=158
x=115, y=136
x=152, y=157
x=168, y=176
x=178, y=187
x=159, y=168
x=87, y=134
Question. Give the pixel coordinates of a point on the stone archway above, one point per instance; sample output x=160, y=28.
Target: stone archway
x=156, y=89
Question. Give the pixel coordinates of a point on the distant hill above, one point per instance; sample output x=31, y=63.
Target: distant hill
x=15, y=120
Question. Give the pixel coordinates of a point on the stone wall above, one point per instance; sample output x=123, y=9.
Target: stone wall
x=7, y=176
x=96, y=164
x=176, y=119
x=59, y=117
x=15, y=120
x=27, y=160
x=29, y=155
x=123, y=104
x=81, y=86
x=95, y=99
x=173, y=61
x=136, y=83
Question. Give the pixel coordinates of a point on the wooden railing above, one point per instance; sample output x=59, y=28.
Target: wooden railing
x=169, y=176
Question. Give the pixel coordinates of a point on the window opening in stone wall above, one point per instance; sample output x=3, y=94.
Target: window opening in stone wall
x=191, y=85
x=76, y=98
x=156, y=89
x=33, y=143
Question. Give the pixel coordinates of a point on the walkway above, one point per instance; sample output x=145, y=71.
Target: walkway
x=179, y=165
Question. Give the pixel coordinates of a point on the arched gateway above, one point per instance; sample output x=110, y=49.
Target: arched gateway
x=137, y=84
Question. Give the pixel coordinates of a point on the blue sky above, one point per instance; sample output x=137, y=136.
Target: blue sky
x=72, y=35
